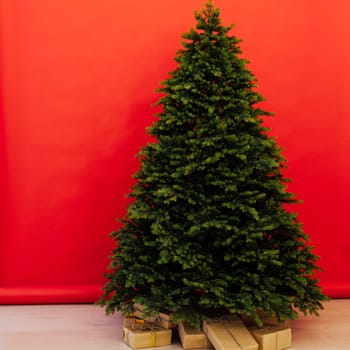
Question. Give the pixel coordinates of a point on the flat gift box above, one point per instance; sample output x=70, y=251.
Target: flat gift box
x=229, y=333
x=163, y=319
x=192, y=338
x=140, y=334
x=266, y=320
x=272, y=337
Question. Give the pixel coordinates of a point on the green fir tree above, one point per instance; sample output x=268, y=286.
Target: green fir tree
x=208, y=229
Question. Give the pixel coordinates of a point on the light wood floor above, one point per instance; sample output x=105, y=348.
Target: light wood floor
x=85, y=327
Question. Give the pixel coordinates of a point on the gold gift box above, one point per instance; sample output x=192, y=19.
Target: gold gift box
x=273, y=337
x=163, y=319
x=139, y=334
x=192, y=338
x=229, y=333
x=266, y=320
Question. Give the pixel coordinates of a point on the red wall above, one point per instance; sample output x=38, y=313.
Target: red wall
x=77, y=84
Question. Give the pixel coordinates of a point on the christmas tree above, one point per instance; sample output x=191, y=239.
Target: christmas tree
x=208, y=229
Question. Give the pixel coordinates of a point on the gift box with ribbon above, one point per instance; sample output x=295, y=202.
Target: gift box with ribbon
x=272, y=337
x=162, y=317
x=229, y=333
x=138, y=334
x=192, y=338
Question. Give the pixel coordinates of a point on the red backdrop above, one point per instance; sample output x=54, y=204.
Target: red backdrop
x=77, y=84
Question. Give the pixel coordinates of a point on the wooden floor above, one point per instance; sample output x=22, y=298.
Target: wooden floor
x=85, y=327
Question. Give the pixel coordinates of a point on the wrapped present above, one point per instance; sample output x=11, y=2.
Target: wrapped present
x=229, y=333
x=139, y=334
x=133, y=321
x=192, y=338
x=162, y=318
x=273, y=337
x=266, y=320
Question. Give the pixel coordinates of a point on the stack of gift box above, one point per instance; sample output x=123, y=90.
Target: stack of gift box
x=229, y=332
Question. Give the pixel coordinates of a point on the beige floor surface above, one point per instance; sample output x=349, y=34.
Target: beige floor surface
x=85, y=327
